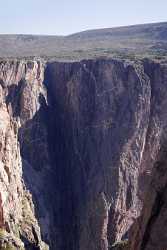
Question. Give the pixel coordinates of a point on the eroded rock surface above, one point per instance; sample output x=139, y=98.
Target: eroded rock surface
x=20, y=85
x=101, y=112
x=149, y=231
x=78, y=142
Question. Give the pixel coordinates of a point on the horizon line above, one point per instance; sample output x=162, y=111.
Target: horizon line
x=86, y=30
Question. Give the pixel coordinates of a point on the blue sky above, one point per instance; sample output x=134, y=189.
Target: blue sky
x=68, y=16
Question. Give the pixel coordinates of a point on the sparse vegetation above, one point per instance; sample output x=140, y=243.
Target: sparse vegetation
x=120, y=245
x=139, y=41
x=4, y=245
x=3, y=233
x=8, y=246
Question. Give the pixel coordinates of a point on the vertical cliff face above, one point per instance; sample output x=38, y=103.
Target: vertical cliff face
x=20, y=86
x=1, y=214
x=157, y=120
x=149, y=230
x=99, y=118
x=78, y=141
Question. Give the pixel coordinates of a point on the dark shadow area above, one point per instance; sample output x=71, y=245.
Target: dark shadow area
x=48, y=159
x=63, y=161
x=80, y=148
x=13, y=97
x=29, y=245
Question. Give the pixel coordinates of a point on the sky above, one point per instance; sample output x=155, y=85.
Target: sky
x=62, y=17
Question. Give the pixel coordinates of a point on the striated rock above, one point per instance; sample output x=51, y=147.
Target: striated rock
x=149, y=231
x=1, y=213
x=78, y=142
x=17, y=205
x=100, y=115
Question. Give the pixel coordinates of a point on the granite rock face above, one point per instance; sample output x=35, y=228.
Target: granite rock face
x=149, y=230
x=20, y=86
x=78, y=144
x=100, y=110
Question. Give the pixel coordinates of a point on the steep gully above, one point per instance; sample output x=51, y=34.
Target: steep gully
x=88, y=134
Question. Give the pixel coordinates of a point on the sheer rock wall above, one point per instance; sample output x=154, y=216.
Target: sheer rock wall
x=78, y=142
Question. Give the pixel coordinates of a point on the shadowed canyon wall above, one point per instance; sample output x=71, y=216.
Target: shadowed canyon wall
x=78, y=143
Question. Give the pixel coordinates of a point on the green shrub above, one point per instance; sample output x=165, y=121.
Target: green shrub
x=3, y=233
x=8, y=247
x=4, y=238
x=120, y=245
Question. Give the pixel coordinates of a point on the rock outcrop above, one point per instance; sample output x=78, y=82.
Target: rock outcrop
x=78, y=143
